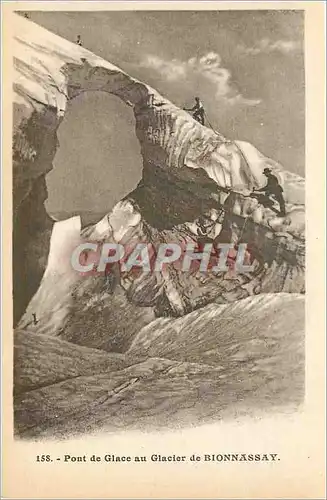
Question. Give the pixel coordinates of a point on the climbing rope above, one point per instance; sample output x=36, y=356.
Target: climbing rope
x=249, y=170
x=221, y=137
x=244, y=224
x=231, y=142
x=215, y=131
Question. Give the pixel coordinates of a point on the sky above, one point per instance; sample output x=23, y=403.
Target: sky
x=246, y=66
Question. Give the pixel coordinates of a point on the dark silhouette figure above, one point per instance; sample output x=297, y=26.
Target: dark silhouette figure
x=202, y=232
x=79, y=41
x=274, y=189
x=205, y=225
x=35, y=321
x=197, y=110
x=110, y=282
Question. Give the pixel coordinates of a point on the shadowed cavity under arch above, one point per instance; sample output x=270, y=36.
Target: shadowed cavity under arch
x=98, y=159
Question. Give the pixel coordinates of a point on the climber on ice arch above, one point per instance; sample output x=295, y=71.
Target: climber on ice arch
x=198, y=111
x=272, y=191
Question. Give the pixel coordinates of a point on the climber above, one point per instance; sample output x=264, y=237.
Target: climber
x=79, y=41
x=110, y=282
x=274, y=189
x=35, y=321
x=198, y=111
x=205, y=226
x=202, y=229
x=202, y=232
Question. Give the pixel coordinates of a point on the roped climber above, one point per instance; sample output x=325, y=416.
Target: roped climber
x=197, y=110
x=273, y=188
x=79, y=41
x=202, y=232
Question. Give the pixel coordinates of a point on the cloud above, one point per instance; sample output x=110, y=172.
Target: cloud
x=205, y=70
x=266, y=46
x=171, y=70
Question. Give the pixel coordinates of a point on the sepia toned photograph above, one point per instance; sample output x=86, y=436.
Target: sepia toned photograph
x=158, y=219
x=163, y=243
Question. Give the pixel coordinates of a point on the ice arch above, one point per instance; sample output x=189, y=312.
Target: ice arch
x=49, y=72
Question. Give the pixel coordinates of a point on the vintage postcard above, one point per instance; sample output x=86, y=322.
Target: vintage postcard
x=163, y=178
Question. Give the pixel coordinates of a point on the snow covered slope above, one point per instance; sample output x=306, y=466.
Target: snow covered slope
x=221, y=362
